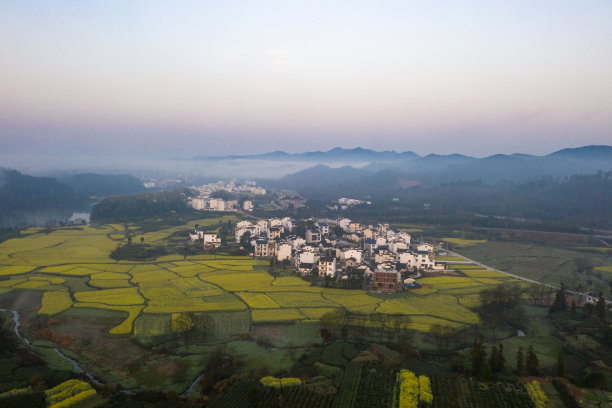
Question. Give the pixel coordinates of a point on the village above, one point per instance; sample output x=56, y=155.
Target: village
x=377, y=258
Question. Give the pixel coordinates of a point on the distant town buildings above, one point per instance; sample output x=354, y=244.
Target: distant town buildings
x=203, y=199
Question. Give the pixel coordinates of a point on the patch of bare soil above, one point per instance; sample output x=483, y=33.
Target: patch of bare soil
x=274, y=333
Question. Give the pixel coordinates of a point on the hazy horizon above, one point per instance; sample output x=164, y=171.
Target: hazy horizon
x=106, y=82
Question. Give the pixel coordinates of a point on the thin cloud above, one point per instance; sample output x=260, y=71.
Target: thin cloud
x=277, y=57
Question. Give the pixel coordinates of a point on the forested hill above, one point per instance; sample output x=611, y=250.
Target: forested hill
x=140, y=207
x=27, y=200
x=576, y=201
x=104, y=185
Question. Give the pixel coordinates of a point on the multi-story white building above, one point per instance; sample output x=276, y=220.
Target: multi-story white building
x=323, y=228
x=313, y=236
x=327, y=266
x=265, y=248
x=198, y=203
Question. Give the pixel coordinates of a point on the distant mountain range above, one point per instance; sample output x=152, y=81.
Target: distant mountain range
x=337, y=154
x=435, y=169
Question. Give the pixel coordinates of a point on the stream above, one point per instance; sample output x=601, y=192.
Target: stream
x=74, y=363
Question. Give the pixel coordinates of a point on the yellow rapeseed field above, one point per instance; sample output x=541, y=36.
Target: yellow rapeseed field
x=297, y=299
x=6, y=270
x=122, y=296
x=55, y=302
x=276, y=315
x=258, y=300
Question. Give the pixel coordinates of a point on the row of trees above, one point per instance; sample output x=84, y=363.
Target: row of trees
x=486, y=368
x=389, y=328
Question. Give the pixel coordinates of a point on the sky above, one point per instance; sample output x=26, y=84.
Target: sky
x=182, y=78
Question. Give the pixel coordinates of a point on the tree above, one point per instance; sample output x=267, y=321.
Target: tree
x=497, y=361
x=479, y=355
x=560, y=365
x=502, y=304
x=560, y=303
x=520, y=362
x=245, y=241
x=532, y=361
x=600, y=308
x=441, y=335
x=583, y=265
x=325, y=335
x=588, y=309
x=573, y=308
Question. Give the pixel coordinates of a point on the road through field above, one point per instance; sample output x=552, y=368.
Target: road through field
x=469, y=260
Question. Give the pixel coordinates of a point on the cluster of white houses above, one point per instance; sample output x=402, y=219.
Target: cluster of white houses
x=378, y=254
x=204, y=202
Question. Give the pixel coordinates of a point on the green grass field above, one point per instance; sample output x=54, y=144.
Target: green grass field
x=545, y=263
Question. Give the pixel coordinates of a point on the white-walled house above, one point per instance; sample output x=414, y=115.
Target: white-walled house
x=248, y=206
x=425, y=247
x=323, y=228
x=275, y=222
x=241, y=231
x=306, y=256
x=262, y=227
x=287, y=223
x=344, y=223
x=243, y=224
x=313, y=236
x=265, y=248
x=327, y=266
x=383, y=255
x=370, y=233
x=298, y=243
x=380, y=241
x=396, y=245
x=420, y=259
x=211, y=240
x=198, y=203
x=352, y=253
x=283, y=252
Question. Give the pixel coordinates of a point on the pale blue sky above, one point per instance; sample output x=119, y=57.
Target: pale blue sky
x=216, y=77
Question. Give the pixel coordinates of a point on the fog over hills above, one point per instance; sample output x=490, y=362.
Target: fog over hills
x=434, y=169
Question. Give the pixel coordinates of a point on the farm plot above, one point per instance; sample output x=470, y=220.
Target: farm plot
x=258, y=300
x=464, y=242
x=297, y=299
x=240, y=281
x=276, y=315
x=442, y=306
x=126, y=326
x=195, y=304
x=123, y=296
x=55, y=302
x=545, y=263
